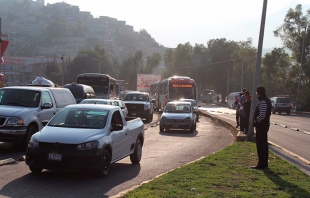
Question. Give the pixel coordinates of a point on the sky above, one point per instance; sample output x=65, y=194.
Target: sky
x=173, y=22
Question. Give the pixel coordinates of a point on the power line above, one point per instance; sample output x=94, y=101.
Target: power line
x=210, y=64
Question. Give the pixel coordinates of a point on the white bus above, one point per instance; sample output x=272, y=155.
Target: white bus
x=103, y=84
x=208, y=95
x=175, y=88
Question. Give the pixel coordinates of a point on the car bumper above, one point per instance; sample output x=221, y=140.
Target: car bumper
x=284, y=109
x=70, y=160
x=176, y=125
x=12, y=134
x=141, y=114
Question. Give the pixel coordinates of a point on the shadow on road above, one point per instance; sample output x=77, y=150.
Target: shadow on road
x=70, y=184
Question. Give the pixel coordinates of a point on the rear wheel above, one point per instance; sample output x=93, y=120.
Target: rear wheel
x=288, y=112
x=136, y=156
x=104, y=164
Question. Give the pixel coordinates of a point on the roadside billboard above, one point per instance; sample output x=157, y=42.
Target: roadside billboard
x=144, y=81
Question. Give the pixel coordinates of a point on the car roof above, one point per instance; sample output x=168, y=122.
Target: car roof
x=179, y=102
x=137, y=92
x=92, y=106
x=186, y=99
x=97, y=99
x=34, y=88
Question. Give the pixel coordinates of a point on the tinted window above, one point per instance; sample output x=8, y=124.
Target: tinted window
x=283, y=100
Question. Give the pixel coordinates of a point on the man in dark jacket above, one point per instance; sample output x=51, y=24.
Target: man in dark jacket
x=247, y=109
x=261, y=123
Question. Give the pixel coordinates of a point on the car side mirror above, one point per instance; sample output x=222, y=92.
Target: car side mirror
x=47, y=105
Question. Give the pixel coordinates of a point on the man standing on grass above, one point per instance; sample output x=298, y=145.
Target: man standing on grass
x=261, y=123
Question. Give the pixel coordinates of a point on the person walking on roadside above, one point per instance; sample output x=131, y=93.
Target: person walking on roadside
x=217, y=98
x=236, y=103
x=247, y=109
x=241, y=111
x=261, y=122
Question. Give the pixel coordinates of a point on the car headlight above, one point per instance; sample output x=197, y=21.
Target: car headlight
x=187, y=119
x=163, y=119
x=15, y=122
x=87, y=145
x=147, y=106
x=33, y=143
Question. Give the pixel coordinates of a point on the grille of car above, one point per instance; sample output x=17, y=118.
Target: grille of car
x=2, y=120
x=174, y=120
x=57, y=145
x=135, y=107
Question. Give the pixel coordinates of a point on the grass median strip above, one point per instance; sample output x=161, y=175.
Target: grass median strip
x=227, y=173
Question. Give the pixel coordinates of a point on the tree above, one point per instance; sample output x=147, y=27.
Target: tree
x=275, y=70
x=220, y=51
x=295, y=34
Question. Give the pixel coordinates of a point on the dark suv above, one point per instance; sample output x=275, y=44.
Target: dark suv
x=280, y=104
x=139, y=104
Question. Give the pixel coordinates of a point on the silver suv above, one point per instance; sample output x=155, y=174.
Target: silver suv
x=280, y=104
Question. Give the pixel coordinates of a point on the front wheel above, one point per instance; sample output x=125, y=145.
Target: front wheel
x=161, y=129
x=193, y=127
x=30, y=131
x=35, y=170
x=136, y=156
x=104, y=164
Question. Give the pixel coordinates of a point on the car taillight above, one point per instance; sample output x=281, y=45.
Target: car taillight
x=291, y=104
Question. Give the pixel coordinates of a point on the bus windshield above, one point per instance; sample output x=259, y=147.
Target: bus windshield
x=175, y=93
x=99, y=84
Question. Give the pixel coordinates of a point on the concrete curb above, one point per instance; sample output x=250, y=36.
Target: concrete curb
x=227, y=124
x=7, y=161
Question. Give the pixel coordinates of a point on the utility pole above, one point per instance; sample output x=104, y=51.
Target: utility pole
x=302, y=54
x=62, y=69
x=227, y=83
x=242, y=76
x=257, y=71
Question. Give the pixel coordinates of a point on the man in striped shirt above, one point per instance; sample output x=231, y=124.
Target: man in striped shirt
x=261, y=123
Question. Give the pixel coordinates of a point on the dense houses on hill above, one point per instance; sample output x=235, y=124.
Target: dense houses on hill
x=28, y=23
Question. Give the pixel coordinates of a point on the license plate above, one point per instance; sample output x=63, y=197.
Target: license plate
x=54, y=156
x=133, y=114
x=175, y=126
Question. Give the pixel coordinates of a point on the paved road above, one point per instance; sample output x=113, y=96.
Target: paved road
x=282, y=133
x=162, y=152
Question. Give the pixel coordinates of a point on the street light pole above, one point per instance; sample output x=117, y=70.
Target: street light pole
x=98, y=64
x=257, y=71
x=302, y=54
x=242, y=76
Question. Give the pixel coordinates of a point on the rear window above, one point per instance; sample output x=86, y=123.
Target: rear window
x=283, y=100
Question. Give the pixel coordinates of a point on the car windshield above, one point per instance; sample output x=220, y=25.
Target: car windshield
x=191, y=101
x=20, y=97
x=80, y=118
x=177, y=108
x=136, y=97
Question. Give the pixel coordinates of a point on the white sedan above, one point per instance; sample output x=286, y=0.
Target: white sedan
x=178, y=115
